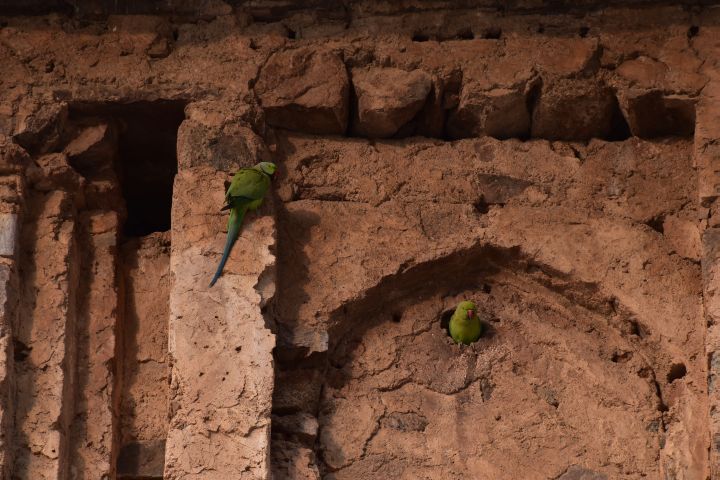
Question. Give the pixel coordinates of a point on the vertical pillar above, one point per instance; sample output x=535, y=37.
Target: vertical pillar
x=44, y=337
x=93, y=451
x=11, y=193
x=219, y=345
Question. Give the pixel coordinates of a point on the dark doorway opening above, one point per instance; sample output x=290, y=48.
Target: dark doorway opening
x=147, y=159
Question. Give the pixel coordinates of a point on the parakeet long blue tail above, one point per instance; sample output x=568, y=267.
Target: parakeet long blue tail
x=234, y=223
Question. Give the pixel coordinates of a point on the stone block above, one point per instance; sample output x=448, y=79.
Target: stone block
x=388, y=98
x=305, y=89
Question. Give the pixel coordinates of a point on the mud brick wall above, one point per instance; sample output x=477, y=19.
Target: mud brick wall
x=554, y=161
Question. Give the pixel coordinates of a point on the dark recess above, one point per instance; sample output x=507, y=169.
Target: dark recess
x=482, y=207
x=657, y=223
x=20, y=350
x=148, y=164
x=619, y=128
x=465, y=34
x=445, y=320
x=147, y=159
x=677, y=371
x=492, y=33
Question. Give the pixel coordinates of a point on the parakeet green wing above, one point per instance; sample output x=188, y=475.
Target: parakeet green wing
x=246, y=192
x=247, y=184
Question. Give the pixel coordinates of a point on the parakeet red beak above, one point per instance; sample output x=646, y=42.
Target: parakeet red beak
x=470, y=314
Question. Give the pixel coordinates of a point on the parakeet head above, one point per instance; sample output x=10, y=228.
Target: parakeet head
x=467, y=307
x=267, y=167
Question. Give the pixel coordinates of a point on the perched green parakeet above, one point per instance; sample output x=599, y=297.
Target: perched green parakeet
x=465, y=325
x=246, y=192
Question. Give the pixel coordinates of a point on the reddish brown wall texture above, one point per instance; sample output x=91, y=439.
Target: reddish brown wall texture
x=558, y=163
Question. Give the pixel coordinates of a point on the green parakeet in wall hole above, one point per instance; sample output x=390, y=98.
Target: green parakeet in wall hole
x=465, y=326
x=246, y=192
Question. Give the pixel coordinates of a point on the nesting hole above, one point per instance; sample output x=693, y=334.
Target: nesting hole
x=420, y=37
x=492, y=33
x=482, y=207
x=677, y=371
x=488, y=329
x=445, y=320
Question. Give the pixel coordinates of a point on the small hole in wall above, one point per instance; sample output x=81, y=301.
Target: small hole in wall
x=492, y=33
x=445, y=320
x=396, y=317
x=619, y=128
x=677, y=371
x=540, y=29
x=693, y=31
x=621, y=356
x=482, y=207
x=637, y=329
x=291, y=34
x=583, y=32
x=487, y=289
x=465, y=34
x=420, y=37
x=657, y=223
x=20, y=351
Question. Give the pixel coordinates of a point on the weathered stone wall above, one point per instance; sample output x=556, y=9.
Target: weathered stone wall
x=145, y=368
x=555, y=164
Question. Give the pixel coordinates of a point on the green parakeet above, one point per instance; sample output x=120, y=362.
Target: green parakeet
x=465, y=326
x=246, y=192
